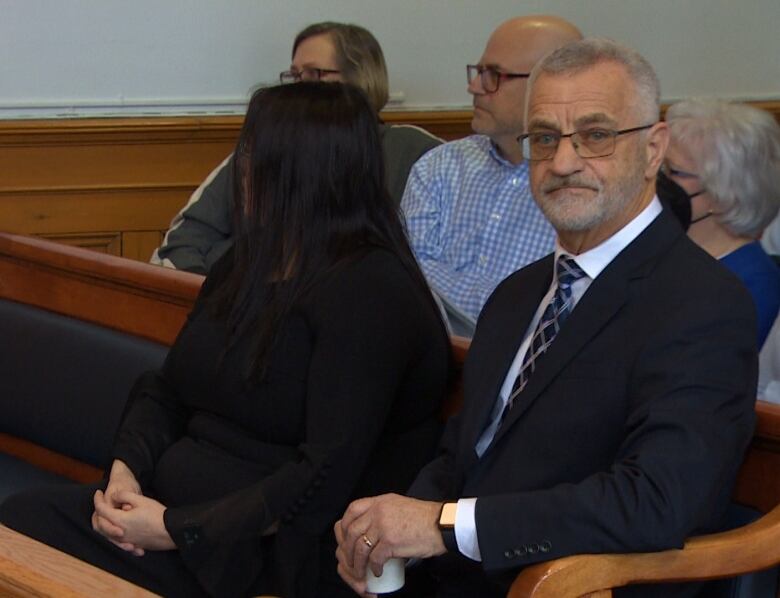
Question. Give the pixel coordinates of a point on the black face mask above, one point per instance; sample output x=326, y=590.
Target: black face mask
x=674, y=198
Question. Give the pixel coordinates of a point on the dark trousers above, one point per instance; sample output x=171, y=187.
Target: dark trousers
x=60, y=516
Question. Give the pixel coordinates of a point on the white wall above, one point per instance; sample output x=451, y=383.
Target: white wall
x=85, y=57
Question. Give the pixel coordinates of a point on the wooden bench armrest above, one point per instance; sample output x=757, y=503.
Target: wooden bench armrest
x=749, y=548
x=30, y=568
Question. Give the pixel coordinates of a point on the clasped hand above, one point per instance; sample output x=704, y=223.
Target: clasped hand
x=126, y=517
x=376, y=529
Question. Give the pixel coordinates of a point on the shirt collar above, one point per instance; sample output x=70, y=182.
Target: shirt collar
x=595, y=260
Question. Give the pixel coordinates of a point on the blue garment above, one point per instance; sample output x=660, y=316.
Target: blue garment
x=472, y=221
x=761, y=276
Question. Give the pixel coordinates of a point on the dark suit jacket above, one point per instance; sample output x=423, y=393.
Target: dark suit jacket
x=629, y=434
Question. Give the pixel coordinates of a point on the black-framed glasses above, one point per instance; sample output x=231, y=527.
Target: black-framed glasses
x=305, y=74
x=490, y=77
x=684, y=175
x=593, y=142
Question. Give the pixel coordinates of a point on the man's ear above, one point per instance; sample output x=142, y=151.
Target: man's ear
x=657, y=142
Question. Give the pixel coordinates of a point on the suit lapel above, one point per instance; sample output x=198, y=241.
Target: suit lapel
x=601, y=303
x=593, y=312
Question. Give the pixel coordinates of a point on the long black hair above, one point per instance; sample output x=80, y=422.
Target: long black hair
x=310, y=193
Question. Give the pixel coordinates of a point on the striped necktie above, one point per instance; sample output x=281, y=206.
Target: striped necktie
x=567, y=271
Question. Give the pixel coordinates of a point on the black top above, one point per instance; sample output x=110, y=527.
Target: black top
x=348, y=408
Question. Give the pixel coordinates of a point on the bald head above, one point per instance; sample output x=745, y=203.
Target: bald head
x=533, y=36
x=512, y=50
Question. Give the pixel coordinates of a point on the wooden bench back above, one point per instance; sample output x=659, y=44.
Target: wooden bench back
x=153, y=303
x=758, y=483
x=133, y=297
x=138, y=299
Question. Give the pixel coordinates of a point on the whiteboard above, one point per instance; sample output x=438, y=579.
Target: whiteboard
x=110, y=57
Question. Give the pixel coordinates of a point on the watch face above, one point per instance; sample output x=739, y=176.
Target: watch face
x=448, y=512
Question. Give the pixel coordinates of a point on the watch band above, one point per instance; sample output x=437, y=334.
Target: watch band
x=447, y=526
x=450, y=541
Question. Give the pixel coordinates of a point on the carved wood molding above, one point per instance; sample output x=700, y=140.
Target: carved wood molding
x=215, y=128
x=76, y=130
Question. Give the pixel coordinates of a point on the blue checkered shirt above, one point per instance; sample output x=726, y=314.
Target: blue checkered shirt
x=472, y=221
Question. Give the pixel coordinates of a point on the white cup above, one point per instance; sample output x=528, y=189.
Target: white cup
x=392, y=577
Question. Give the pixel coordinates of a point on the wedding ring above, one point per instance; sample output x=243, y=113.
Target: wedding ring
x=367, y=542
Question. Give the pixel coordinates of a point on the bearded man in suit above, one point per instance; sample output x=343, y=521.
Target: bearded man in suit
x=609, y=388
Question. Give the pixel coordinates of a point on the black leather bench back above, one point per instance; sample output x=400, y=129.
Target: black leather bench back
x=64, y=382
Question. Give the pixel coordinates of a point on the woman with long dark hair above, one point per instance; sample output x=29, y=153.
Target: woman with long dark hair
x=309, y=373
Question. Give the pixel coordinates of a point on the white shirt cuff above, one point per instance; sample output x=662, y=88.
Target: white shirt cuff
x=466, y=529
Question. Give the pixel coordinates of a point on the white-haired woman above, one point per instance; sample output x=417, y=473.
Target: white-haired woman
x=727, y=158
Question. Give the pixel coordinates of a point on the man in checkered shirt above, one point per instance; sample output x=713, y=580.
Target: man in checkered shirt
x=470, y=215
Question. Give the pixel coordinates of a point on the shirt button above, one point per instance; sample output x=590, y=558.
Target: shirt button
x=495, y=216
x=482, y=259
x=515, y=181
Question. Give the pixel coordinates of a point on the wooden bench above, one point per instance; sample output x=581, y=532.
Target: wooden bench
x=29, y=568
x=71, y=289
x=152, y=303
x=750, y=548
x=142, y=301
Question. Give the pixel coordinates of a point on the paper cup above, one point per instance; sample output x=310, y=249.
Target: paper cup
x=392, y=578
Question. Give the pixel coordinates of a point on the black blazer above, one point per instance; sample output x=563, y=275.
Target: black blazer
x=629, y=434
x=348, y=407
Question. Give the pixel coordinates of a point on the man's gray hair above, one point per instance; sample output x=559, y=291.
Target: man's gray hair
x=586, y=53
x=736, y=149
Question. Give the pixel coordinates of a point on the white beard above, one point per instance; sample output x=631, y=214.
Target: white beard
x=573, y=212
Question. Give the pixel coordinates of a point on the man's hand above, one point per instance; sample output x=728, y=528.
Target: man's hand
x=382, y=527
x=136, y=526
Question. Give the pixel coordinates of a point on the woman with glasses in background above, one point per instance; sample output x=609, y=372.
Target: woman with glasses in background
x=202, y=231
x=727, y=158
x=310, y=372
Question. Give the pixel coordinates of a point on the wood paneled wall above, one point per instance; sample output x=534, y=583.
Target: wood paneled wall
x=107, y=184
x=113, y=184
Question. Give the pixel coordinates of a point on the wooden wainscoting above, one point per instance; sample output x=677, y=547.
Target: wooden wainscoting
x=108, y=184
x=113, y=184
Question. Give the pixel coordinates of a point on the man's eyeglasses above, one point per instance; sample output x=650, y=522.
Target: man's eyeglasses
x=305, y=74
x=595, y=142
x=490, y=77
